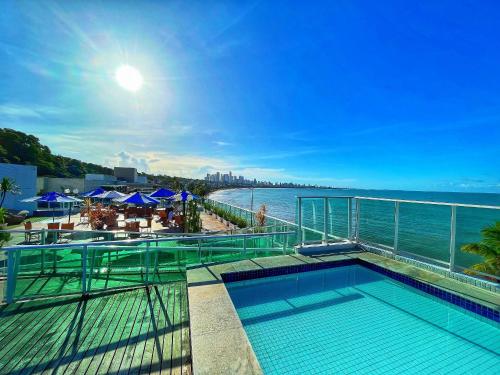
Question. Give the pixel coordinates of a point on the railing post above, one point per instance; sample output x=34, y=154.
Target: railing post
x=396, y=227
x=199, y=250
x=244, y=246
x=453, y=232
x=299, y=219
x=349, y=218
x=358, y=209
x=11, y=276
x=84, y=270
x=146, y=261
x=285, y=242
x=325, y=221
x=43, y=237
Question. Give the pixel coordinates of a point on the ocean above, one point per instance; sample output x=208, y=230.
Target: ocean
x=424, y=230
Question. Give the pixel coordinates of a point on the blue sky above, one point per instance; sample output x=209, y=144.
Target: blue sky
x=367, y=94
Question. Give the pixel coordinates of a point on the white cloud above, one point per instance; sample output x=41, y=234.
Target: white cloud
x=222, y=143
x=12, y=110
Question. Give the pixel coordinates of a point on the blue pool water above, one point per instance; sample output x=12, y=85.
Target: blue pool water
x=351, y=320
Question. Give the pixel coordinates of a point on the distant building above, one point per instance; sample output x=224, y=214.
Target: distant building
x=23, y=176
x=126, y=174
x=93, y=181
x=47, y=184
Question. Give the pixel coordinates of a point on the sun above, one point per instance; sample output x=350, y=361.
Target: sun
x=129, y=78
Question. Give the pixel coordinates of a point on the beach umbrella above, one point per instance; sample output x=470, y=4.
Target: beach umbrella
x=93, y=193
x=113, y=194
x=137, y=199
x=185, y=196
x=162, y=193
x=54, y=197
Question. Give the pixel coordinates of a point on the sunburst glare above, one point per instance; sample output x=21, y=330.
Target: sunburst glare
x=129, y=78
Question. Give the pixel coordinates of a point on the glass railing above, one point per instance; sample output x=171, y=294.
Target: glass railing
x=54, y=236
x=31, y=271
x=432, y=232
x=271, y=223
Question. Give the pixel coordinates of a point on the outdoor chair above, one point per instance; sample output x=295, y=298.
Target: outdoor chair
x=66, y=226
x=148, y=225
x=29, y=235
x=52, y=236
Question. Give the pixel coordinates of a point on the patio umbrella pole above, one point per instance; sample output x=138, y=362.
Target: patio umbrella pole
x=69, y=212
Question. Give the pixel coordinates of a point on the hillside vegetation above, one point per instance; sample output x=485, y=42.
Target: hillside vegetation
x=20, y=148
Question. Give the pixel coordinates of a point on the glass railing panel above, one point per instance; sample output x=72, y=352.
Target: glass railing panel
x=338, y=217
x=117, y=266
x=312, y=219
x=47, y=272
x=475, y=232
x=424, y=230
x=376, y=222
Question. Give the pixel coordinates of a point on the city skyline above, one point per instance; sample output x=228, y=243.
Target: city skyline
x=389, y=96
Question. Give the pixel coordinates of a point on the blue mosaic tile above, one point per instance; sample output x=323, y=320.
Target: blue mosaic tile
x=459, y=301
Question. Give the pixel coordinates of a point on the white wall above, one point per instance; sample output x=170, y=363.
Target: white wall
x=24, y=176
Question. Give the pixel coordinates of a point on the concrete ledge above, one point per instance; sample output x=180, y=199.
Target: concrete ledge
x=322, y=249
x=219, y=342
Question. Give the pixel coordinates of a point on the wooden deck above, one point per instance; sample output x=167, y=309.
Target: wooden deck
x=134, y=331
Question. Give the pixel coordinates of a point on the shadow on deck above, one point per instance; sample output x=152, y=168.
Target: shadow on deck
x=144, y=330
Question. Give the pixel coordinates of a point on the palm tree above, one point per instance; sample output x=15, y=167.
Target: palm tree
x=7, y=186
x=489, y=249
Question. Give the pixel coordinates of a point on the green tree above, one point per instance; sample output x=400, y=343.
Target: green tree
x=193, y=222
x=7, y=185
x=489, y=249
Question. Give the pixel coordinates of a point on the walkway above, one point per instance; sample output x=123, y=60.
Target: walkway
x=136, y=331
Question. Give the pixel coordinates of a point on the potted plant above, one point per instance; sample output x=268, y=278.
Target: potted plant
x=4, y=236
x=3, y=215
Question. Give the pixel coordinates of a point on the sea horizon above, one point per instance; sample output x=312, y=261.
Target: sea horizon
x=280, y=202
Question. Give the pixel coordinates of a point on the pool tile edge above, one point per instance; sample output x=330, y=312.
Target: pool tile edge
x=464, y=303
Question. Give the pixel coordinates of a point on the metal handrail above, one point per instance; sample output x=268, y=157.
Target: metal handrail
x=403, y=201
x=395, y=249
x=142, y=241
x=253, y=212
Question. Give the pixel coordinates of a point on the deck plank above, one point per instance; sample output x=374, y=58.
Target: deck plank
x=71, y=360
x=25, y=331
x=185, y=333
x=115, y=334
x=166, y=362
x=152, y=336
x=132, y=356
x=65, y=335
x=177, y=335
x=127, y=337
x=19, y=355
x=49, y=338
x=157, y=356
x=137, y=330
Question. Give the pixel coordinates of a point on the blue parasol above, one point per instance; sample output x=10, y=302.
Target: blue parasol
x=162, y=193
x=93, y=193
x=137, y=199
x=185, y=196
x=53, y=197
x=113, y=194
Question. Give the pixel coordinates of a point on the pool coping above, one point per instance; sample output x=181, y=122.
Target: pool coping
x=455, y=299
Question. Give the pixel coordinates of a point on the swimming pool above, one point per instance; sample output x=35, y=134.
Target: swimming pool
x=353, y=320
